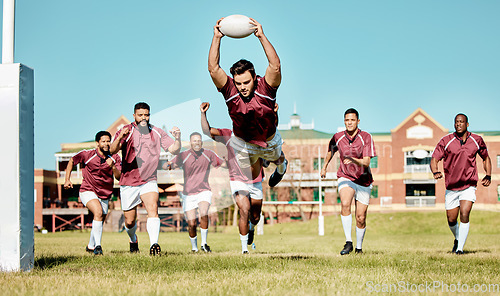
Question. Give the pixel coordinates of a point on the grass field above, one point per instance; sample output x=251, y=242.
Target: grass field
x=403, y=249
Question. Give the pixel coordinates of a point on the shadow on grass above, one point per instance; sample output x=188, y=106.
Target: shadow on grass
x=165, y=253
x=45, y=263
x=290, y=257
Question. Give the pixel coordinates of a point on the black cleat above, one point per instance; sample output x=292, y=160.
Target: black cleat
x=245, y=252
x=265, y=163
x=98, y=250
x=251, y=234
x=276, y=177
x=155, y=250
x=89, y=250
x=459, y=252
x=134, y=247
x=205, y=248
x=358, y=251
x=194, y=251
x=455, y=246
x=347, y=248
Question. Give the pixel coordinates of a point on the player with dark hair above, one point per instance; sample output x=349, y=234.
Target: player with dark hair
x=197, y=194
x=458, y=152
x=250, y=100
x=355, y=180
x=141, y=143
x=97, y=184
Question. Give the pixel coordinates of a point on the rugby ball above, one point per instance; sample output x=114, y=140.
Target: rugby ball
x=236, y=26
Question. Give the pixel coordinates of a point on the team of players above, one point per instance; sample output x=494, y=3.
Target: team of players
x=253, y=142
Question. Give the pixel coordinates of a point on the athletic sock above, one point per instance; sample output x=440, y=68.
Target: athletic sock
x=250, y=226
x=204, y=234
x=91, y=244
x=153, y=227
x=281, y=168
x=463, y=231
x=194, y=243
x=97, y=230
x=454, y=229
x=131, y=233
x=360, y=235
x=244, y=241
x=347, y=225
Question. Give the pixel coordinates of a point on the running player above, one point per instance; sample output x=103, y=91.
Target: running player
x=459, y=150
x=97, y=184
x=141, y=143
x=247, y=191
x=197, y=194
x=250, y=100
x=355, y=180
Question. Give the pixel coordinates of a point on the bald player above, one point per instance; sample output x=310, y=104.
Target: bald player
x=355, y=179
x=250, y=100
x=141, y=144
x=458, y=152
x=97, y=184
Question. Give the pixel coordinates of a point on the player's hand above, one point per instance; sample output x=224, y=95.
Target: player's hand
x=124, y=132
x=258, y=28
x=486, y=181
x=438, y=175
x=276, y=107
x=348, y=160
x=323, y=173
x=204, y=107
x=167, y=166
x=176, y=132
x=217, y=32
x=110, y=162
x=68, y=184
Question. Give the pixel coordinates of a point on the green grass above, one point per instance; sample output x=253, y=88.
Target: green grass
x=290, y=259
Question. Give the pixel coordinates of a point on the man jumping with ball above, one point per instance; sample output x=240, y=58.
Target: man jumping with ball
x=250, y=100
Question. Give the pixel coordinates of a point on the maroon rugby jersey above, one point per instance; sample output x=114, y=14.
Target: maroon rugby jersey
x=460, y=169
x=359, y=146
x=97, y=174
x=141, y=154
x=196, y=166
x=254, y=119
x=235, y=172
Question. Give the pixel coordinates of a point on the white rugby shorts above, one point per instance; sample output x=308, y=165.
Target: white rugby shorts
x=253, y=189
x=130, y=196
x=362, y=193
x=190, y=202
x=247, y=153
x=87, y=196
x=453, y=197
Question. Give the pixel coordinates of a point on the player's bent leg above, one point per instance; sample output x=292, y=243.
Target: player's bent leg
x=150, y=200
x=131, y=227
x=452, y=217
x=361, y=210
x=280, y=171
x=243, y=202
x=203, y=207
x=346, y=196
x=465, y=209
x=95, y=207
x=192, y=223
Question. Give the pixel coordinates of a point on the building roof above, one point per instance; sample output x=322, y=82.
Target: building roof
x=297, y=134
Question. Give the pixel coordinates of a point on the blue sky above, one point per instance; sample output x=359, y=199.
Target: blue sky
x=94, y=60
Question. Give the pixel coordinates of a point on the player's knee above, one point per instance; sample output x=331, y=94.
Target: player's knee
x=129, y=223
x=464, y=218
x=360, y=219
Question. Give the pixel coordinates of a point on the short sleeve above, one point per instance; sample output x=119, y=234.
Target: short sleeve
x=177, y=161
x=225, y=135
x=267, y=89
x=166, y=141
x=332, y=146
x=369, y=147
x=118, y=162
x=228, y=89
x=482, y=151
x=215, y=160
x=80, y=157
x=439, y=150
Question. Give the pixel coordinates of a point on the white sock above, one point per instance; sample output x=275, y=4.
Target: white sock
x=131, y=233
x=97, y=230
x=153, y=228
x=463, y=231
x=250, y=226
x=360, y=235
x=244, y=241
x=194, y=243
x=204, y=234
x=347, y=224
x=454, y=230
x=282, y=167
x=91, y=244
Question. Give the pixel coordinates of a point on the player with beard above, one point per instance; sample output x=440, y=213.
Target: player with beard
x=97, y=184
x=355, y=179
x=250, y=100
x=140, y=144
x=458, y=152
x=197, y=194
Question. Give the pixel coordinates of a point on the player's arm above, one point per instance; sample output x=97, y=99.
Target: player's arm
x=218, y=75
x=117, y=143
x=176, y=146
x=205, y=126
x=487, y=168
x=116, y=172
x=273, y=71
x=67, y=181
x=328, y=158
x=434, y=168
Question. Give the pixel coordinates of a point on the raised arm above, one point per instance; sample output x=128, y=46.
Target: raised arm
x=176, y=146
x=116, y=172
x=273, y=71
x=328, y=157
x=205, y=126
x=487, y=168
x=218, y=75
x=117, y=143
x=67, y=181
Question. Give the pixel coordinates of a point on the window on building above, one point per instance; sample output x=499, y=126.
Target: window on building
x=420, y=189
x=316, y=195
x=498, y=161
x=374, y=162
x=374, y=193
x=46, y=191
x=316, y=164
x=293, y=195
x=418, y=161
x=273, y=194
x=498, y=192
x=295, y=165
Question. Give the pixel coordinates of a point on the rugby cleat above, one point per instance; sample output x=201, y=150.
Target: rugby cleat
x=459, y=252
x=276, y=177
x=194, y=251
x=134, y=247
x=205, y=248
x=347, y=248
x=155, y=250
x=358, y=251
x=98, y=250
x=251, y=234
x=245, y=252
x=89, y=250
x=455, y=246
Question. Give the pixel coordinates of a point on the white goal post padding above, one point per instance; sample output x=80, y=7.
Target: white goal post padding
x=17, y=170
